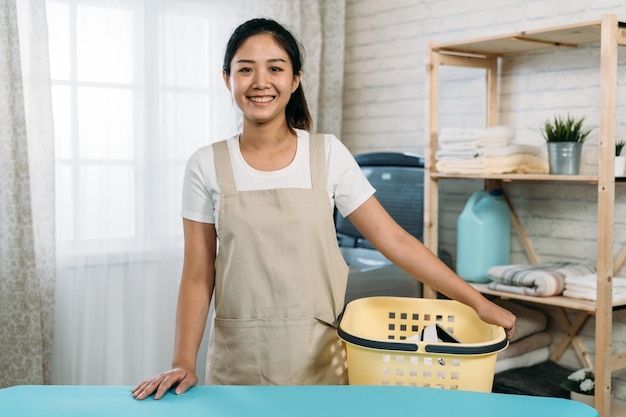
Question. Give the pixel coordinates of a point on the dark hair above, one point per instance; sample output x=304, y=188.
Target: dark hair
x=297, y=111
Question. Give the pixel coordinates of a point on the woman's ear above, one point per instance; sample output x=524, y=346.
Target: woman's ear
x=226, y=80
x=296, y=81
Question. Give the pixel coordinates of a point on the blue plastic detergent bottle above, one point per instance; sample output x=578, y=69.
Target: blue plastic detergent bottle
x=483, y=235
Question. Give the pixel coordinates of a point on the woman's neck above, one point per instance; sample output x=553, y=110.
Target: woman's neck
x=268, y=148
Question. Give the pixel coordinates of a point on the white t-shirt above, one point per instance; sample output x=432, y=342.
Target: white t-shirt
x=347, y=186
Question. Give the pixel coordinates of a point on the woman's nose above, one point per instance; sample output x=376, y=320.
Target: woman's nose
x=261, y=79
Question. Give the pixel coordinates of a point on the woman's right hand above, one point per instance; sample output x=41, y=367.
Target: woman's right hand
x=181, y=378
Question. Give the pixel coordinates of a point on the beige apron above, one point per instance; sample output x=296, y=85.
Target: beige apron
x=280, y=283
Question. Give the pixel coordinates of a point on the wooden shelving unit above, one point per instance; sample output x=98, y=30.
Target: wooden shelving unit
x=485, y=53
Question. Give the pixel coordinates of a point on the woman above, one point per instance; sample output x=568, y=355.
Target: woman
x=267, y=196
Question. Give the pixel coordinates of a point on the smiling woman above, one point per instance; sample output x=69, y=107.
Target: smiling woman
x=137, y=88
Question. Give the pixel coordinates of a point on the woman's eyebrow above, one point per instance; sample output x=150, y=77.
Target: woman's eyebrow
x=252, y=61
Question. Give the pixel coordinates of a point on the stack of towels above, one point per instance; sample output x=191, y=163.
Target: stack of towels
x=541, y=280
x=585, y=287
x=531, y=342
x=486, y=151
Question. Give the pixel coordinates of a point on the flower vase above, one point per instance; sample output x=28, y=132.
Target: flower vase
x=583, y=398
x=564, y=157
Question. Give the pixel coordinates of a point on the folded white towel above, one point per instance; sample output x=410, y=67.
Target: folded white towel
x=459, y=146
x=518, y=163
x=514, y=149
x=585, y=288
x=591, y=295
x=591, y=281
x=453, y=154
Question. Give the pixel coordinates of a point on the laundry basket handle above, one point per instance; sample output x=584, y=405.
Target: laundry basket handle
x=460, y=349
x=447, y=348
x=374, y=344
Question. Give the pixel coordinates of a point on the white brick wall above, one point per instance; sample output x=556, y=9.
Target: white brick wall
x=384, y=109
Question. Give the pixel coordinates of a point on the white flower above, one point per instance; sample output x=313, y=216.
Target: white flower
x=586, y=385
x=578, y=375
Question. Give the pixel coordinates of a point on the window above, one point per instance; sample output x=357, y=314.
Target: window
x=136, y=88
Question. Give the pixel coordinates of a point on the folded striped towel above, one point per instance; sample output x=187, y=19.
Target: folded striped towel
x=544, y=279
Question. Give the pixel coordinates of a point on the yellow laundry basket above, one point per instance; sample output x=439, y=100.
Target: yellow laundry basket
x=376, y=330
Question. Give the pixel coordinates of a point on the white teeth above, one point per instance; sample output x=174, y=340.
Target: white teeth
x=264, y=99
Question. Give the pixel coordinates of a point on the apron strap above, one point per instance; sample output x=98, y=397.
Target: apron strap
x=224, y=168
x=317, y=156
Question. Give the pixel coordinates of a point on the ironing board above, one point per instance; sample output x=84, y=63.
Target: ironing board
x=285, y=401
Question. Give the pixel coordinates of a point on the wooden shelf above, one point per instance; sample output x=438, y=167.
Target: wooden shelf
x=568, y=36
x=589, y=179
x=486, y=53
x=592, y=179
x=559, y=301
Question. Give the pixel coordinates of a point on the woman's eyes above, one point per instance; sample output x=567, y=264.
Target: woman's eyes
x=271, y=69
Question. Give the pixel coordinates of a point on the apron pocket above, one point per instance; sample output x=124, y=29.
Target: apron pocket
x=275, y=352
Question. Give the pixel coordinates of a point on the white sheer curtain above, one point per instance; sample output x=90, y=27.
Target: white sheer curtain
x=26, y=194
x=136, y=89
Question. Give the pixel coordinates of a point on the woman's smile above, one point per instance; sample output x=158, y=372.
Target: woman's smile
x=261, y=99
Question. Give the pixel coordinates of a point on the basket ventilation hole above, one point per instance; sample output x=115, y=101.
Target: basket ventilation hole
x=428, y=361
x=454, y=375
x=450, y=319
x=386, y=358
x=441, y=375
x=413, y=360
x=456, y=362
x=392, y=315
x=403, y=316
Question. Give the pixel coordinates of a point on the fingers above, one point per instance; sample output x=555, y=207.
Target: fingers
x=510, y=332
x=161, y=383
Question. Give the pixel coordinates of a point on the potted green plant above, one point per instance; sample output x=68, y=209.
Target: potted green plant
x=581, y=385
x=565, y=137
x=620, y=161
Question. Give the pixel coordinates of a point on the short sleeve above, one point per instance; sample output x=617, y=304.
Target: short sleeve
x=350, y=185
x=197, y=203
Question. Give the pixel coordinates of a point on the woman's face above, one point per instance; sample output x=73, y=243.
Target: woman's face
x=261, y=79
